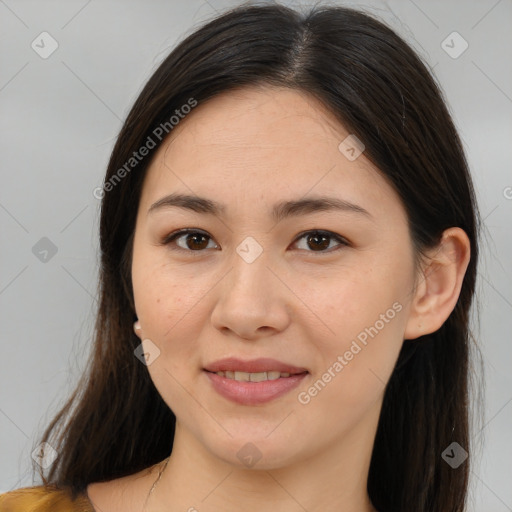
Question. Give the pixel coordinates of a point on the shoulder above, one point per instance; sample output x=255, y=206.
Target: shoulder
x=43, y=499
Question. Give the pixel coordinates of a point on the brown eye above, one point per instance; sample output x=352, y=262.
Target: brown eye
x=196, y=241
x=189, y=240
x=320, y=241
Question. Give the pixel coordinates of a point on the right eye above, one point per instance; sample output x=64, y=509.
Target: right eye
x=188, y=240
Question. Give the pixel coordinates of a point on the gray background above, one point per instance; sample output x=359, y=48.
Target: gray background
x=60, y=117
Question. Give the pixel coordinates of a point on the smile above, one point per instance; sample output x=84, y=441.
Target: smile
x=253, y=377
x=245, y=388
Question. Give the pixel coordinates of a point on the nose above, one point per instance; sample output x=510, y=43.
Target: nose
x=252, y=301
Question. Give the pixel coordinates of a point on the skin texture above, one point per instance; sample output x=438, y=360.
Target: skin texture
x=296, y=303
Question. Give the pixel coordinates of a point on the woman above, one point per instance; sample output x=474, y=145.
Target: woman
x=288, y=260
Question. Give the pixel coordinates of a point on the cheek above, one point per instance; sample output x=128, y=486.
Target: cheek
x=169, y=302
x=356, y=365
x=355, y=299
x=159, y=292
x=168, y=307
x=363, y=319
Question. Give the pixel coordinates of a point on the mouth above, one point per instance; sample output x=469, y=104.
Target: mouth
x=253, y=382
x=255, y=377
x=260, y=365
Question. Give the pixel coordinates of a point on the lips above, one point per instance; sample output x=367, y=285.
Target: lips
x=260, y=365
x=253, y=382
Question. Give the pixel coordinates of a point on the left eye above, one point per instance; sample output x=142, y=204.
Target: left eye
x=193, y=240
x=321, y=240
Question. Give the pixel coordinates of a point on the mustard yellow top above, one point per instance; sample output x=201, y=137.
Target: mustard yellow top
x=43, y=499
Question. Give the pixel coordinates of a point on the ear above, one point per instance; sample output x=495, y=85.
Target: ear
x=439, y=284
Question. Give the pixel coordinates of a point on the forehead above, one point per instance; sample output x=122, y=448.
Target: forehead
x=261, y=142
x=261, y=117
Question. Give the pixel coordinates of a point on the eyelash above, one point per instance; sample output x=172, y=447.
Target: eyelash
x=169, y=239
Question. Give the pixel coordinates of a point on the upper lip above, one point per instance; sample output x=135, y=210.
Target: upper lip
x=232, y=364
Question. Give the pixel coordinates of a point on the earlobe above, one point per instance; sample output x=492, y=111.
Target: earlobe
x=137, y=328
x=439, y=285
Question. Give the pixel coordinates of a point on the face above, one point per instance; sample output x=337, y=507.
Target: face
x=321, y=288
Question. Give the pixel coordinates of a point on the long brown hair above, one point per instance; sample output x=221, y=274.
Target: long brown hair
x=115, y=422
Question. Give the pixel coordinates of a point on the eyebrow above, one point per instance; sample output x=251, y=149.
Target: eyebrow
x=279, y=212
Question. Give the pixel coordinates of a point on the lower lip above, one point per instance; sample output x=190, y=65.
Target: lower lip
x=253, y=393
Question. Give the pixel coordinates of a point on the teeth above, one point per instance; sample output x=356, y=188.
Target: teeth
x=242, y=376
x=253, y=377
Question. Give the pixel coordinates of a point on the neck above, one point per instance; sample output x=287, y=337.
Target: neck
x=336, y=479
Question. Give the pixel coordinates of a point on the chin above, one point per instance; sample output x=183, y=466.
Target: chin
x=258, y=452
